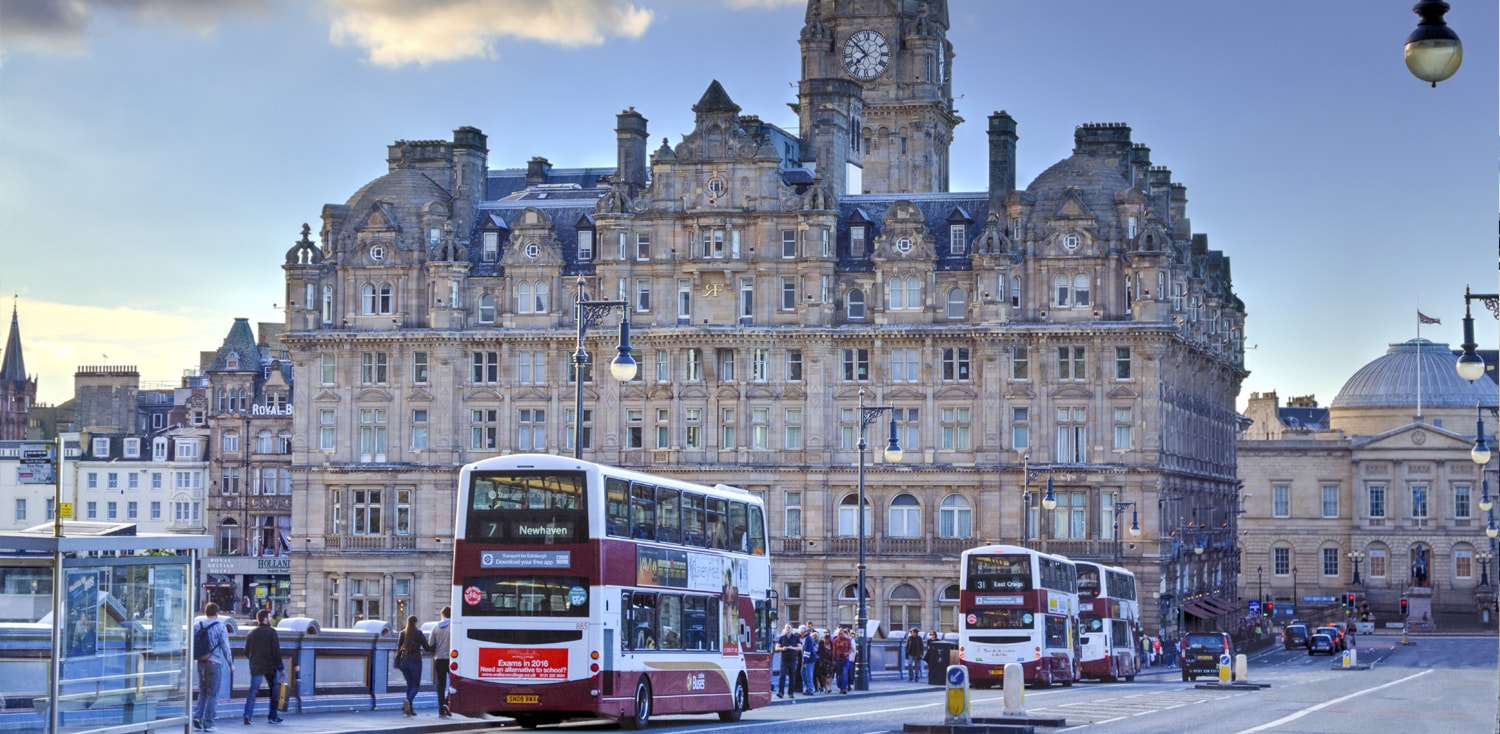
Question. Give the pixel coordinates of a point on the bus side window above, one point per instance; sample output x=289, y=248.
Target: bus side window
x=718, y=533
x=692, y=520
x=693, y=620
x=667, y=512
x=737, y=540
x=757, y=533
x=617, y=504
x=643, y=617
x=643, y=511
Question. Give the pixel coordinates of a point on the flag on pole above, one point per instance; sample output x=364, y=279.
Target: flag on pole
x=1423, y=318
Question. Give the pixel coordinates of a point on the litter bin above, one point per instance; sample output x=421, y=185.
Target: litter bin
x=939, y=652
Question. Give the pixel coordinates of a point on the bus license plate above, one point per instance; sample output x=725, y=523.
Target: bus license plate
x=516, y=698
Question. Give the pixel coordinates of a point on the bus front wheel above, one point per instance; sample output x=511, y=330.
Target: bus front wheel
x=741, y=702
x=642, y=706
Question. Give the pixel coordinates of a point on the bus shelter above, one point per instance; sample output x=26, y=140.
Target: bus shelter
x=94, y=628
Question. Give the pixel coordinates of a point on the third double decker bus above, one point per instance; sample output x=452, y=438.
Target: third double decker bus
x=1111, y=619
x=1017, y=605
x=587, y=591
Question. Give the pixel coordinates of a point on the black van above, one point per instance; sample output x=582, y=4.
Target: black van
x=1295, y=637
x=1201, y=653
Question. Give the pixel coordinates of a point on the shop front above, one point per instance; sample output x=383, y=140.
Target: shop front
x=242, y=585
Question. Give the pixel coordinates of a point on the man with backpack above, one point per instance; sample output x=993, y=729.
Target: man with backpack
x=211, y=650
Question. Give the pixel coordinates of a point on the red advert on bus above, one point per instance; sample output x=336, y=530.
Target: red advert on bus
x=512, y=662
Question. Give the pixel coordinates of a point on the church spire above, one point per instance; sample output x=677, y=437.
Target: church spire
x=13, y=368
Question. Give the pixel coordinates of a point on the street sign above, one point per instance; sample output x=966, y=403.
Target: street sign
x=1317, y=599
x=36, y=451
x=1255, y=607
x=65, y=510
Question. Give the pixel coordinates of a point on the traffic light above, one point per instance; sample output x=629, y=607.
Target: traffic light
x=1270, y=608
x=1349, y=601
x=1403, y=607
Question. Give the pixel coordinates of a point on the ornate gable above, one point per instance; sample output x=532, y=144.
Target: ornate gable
x=905, y=235
x=533, y=242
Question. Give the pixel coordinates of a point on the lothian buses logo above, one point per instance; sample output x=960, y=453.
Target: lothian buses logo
x=473, y=595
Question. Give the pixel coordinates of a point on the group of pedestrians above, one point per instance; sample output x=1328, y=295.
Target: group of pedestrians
x=1160, y=650
x=263, y=653
x=812, y=662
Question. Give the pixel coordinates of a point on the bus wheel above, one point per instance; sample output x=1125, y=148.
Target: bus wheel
x=741, y=702
x=1130, y=674
x=642, y=706
x=527, y=722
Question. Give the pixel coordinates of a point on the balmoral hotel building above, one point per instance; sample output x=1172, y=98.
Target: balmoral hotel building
x=1074, y=333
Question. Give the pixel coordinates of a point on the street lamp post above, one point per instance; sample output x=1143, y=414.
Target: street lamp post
x=867, y=414
x=1294, y=588
x=1260, y=591
x=1355, y=557
x=1135, y=525
x=1049, y=500
x=1433, y=51
x=1471, y=367
x=623, y=368
x=1484, y=567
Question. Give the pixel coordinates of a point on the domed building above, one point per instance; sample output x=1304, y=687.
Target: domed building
x=1379, y=498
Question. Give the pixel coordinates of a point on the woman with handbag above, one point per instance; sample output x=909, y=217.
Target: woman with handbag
x=409, y=648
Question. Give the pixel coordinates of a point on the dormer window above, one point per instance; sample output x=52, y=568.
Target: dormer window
x=232, y=361
x=857, y=241
x=958, y=243
x=585, y=245
x=490, y=251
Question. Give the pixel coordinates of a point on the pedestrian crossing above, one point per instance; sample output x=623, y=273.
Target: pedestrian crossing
x=1104, y=710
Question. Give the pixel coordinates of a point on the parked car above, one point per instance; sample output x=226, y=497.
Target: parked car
x=1201, y=652
x=1320, y=643
x=1294, y=637
x=1334, y=635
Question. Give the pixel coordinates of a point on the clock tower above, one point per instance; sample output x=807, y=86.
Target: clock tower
x=897, y=55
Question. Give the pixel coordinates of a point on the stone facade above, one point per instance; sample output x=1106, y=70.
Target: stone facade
x=1075, y=334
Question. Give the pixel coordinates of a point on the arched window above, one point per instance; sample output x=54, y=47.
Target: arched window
x=367, y=298
x=523, y=297
x=486, y=309
x=1060, y=296
x=895, y=289
x=848, y=521
x=327, y=304
x=904, y=519
x=1015, y=291
x=387, y=299
x=856, y=304
x=229, y=537
x=955, y=517
x=542, y=303
x=904, y=610
x=948, y=608
x=1081, y=290
x=913, y=292
x=263, y=442
x=284, y=442
x=957, y=307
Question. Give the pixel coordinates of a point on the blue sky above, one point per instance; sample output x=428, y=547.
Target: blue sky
x=158, y=157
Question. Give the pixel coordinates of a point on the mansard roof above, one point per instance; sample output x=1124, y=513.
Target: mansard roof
x=239, y=349
x=715, y=99
x=936, y=209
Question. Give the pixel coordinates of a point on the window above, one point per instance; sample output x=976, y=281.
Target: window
x=855, y=306
x=793, y=512
x=112, y=510
x=485, y=368
x=758, y=359
x=132, y=448
x=906, y=365
x=1419, y=501
x=793, y=428
x=229, y=480
x=93, y=480
x=955, y=429
x=825, y=248
x=788, y=243
x=904, y=518
x=747, y=298
x=621, y=247
x=1377, y=562
x=372, y=434
x=908, y=428
x=1330, y=561
x=484, y=429
x=1061, y=293
x=230, y=441
x=848, y=521
x=848, y=428
x=1281, y=561
x=958, y=240
x=186, y=450
x=856, y=365
x=1281, y=501
x=663, y=367
x=634, y=428
x=156, y=480
x=955, y=517
x=373, y=368
x=326, y=365
x=21, y=509
x=531, y=433
x=1020, y=429
x=1330, y=500
x=760, y=428
x=1070, y=518
x=541, y=299
x=713, y=243
x=327, y=304
x=1122, y=428
x=585, y=244
x=955, y=364
x=684, y=300
x=101, y=448
x=367, y=299
x=1080, y=290
x=663, y=429
x=788, y=293
x=642, y=246
x=1377, y=500
x=692, y=436
x=155, y=510
x=1463, y=563
x=1020, y=363
x=133, y=481
x=531, y=367
x=957, y=303
x=1072, y=435
x=1461, y=501
x=1070, y=363
x=694, y=364
x=365, y=512
x=726, y=428
x=91, y=510
x=325, y=430
x=794, y=365
x=725, y=360
x=1122, y=363
x=642, y=295
x=112, y=480
x=490, y=249
x=403, y=520
x=419, y=429
x=588, y=371
x=387, y=301
x=419, y=367
x=857, y=241
x=487, y=309
x=1015, y=291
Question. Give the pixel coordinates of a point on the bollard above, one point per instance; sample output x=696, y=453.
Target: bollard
x=1224, y=668
x=1241, y=668
x=1353, y=657
x=1015, y=690
x=957, y=712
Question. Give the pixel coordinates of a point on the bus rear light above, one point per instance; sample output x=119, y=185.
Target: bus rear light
x=594, y=668
x=453, y=666
x=594, y=655
x=453, y=654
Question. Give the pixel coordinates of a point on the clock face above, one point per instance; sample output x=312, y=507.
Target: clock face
x=866, y=55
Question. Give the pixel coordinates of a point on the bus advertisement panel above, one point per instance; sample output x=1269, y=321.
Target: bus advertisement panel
x=1017, y=605
x=586, y=591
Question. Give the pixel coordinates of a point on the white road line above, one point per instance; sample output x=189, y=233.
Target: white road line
x=1325, y=704
x=743, y=725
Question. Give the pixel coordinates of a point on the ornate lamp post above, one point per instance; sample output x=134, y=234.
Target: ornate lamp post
x=1355, y=557
x=1049, y=501
x=1471, y=367
x=1433, y=51
x=867, y=414
x=1484, y=557
x=623, y=368
x=1260, y=592
x=1135, y=524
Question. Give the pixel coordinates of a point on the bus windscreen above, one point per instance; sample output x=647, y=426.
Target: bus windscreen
x=999, y=573
x=539, y=507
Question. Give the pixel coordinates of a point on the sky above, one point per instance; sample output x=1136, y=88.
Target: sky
x=158, y=157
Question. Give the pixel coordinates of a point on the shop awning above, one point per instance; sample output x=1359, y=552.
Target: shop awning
x=1209, y=607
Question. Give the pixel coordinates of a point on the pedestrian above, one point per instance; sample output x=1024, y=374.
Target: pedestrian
x=914, y=649
x=825, y=664
x=1156, y=649
x=843, y=658
x=263, y=653
x=936, y=656
x=927, y=657
x=409, y=648
x=213, y=664
x=809, y=659
x=791, y=655
x=441, y=645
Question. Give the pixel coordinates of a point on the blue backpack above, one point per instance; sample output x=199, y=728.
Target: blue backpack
x=203, y=649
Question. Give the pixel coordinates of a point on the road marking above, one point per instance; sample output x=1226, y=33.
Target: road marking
x=743, y=725
x=1326, y=704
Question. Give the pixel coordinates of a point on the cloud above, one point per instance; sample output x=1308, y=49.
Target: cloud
x=58, y=338
x=59, y=26
x=400, y=32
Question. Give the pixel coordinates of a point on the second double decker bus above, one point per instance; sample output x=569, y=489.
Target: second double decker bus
x=587, y=591
x=1110, y=617
x=1017, y=605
